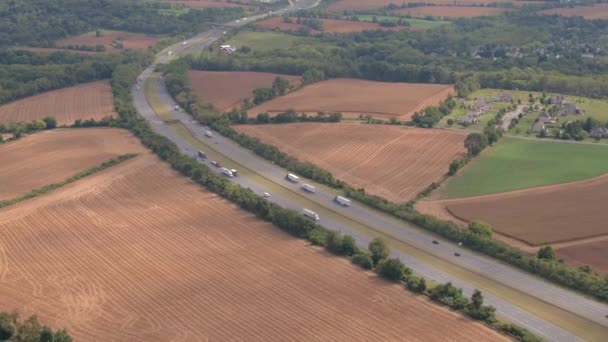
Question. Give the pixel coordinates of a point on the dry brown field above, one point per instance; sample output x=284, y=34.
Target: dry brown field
x=84, y=101
x=53, y=156
x=228, y=89
x=451, y=11
x=343, y=5
x=538, y=216
x=597, y=11
x=130, y=40
x=355, y=97
x=138, y=253
x=594, y=254
x=389, y=161
x=51, y=50
x=206, y=3
x=329, y=25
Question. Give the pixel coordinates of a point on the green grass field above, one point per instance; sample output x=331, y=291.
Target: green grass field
x=419, y=23
x=514, y=164
x=266, y=41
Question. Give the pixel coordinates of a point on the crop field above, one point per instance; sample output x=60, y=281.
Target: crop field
x=329, y=25
x=355, y=97
x=550, y=214
x=50, y=157
x=129, y=40
x=389, y=161
x=205, y=3
x=226, y=90
x=359, y=5
x=85, y=101
x=451, y=11
x=597, y=11
x=266, y=41
x=138, y=253
x=514, y=164
x=594, y=254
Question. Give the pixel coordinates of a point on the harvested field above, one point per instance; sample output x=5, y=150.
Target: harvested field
x=543, y=215
x=138, y=253
x=597, y=11
x=329, y=25
x=346, y=5
x=389, y=161
x=51, y=50
x=85, y=101
x=50, y=157
x=355, y=97
x=205, y=3
x=129, y=40
x=594, y=254
x=226, y=90
x=451, y=11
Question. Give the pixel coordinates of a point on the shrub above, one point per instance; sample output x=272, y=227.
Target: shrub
x=392, y=269
x=363, y=259
x=378, y=250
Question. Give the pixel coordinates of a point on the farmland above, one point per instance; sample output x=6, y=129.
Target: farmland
x=359, y=5
x=226, y=90
x=53, y=156
x=266, y=41
x=355, y=97
x=85, y=101
x=389, y=161
x=129, y=40
x=94, y=256
x=413, y=22
x=329, y=25
x=451, y=11
x=593, y=253
x=515, y=164
x=597, y=11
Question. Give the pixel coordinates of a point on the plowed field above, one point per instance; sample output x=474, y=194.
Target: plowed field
x=54, y=156
x=541, y=215
x=594, y=254
x=598, y=11
x=355, y=97
x=392, y=162
x=130, y=40
x=137, y=253
x=226, y=90
x=451, y=11
x=344, y=5
x=329, y=25
x=85, y=101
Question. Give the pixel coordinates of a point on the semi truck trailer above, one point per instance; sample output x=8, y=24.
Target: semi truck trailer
x=345, y=202
x=292, y=178
x=310, y=214
x=309, y=188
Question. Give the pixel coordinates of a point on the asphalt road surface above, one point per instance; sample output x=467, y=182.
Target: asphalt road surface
x=414, y=246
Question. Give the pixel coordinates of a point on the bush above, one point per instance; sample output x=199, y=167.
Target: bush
x=378, y=249
x=363, y=259
x=415, y=284
x=449, y=295
x=392, y=269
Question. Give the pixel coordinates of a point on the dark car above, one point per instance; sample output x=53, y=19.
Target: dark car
x=435, y=242
x=457, y=254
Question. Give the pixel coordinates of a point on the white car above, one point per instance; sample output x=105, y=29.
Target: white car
x=266, y=195
x=238, y=21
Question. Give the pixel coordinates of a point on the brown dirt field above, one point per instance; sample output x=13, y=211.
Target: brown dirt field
x=343, y=5
x=594, y=254
x=85, y=101
x=538, y=216
x=54, y=156
x=138, y=253
x=228, y=89
x=329, y=25
x=51, y=50
x=451, y=11
x=597, y=11
x=130, y=40
x=354, y=97
x=206, y=4
x=389, y=161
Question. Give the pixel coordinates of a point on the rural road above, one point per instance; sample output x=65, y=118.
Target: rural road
x=518, y=296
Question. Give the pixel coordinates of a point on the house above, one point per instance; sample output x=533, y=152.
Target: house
x=568, y=109
x=503, y=97
x=538, y=126
x=599, y=132
x=469, y=118
x=481, y=105
x=558, y=99
x=541, y=122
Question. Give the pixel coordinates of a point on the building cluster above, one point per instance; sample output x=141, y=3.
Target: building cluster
x=563, y=109
x=480, y=107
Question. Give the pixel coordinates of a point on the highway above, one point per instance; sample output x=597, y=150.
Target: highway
x=518, y=296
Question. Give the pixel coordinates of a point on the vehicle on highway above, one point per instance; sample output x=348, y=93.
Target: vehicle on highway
x=208, y=134
x=343, y=201
x=234, y=172
x=184, y=42
x=170, y=53
x=309, y=188
x=310, y=214
x=266, y=195
x=202, y=155
x=214, y=163
x=457, y=254
x=176, y=108
x=435, y=242
x=224, y=32
x=292, y=178
x=226, y=172
x=238, y=21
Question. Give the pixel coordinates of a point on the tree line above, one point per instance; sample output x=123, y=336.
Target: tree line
x=13, y=329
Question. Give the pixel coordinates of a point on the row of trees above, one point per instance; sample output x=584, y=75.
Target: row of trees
x=12, y=329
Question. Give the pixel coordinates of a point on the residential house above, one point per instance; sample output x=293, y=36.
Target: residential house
x=503, y=97
x=481, y=105
x=541, y=122
x=557, y=100
x=568, y=109
x=599, y=132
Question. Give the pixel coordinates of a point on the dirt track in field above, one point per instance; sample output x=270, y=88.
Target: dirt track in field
x=84, y=101
x=228, y=89
x=389, y=161
x=343, y=5
x=354, y=97
x=130, y=40
x=452, y=11
x=53, y=156
x=329, y=25
x=137, y=253
x=597, y=11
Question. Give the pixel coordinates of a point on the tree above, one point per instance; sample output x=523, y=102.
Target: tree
x=546, y=253
x=416, y=284
x=262, y=95
x=280, y=86
x=378, y=249
x=50, y=122
x=363, y=259
x=392, y=269
x=6, y=326
x=349, y=246
x=333, y=242
x=477, y=310
x=475, y=143
x=480, y=229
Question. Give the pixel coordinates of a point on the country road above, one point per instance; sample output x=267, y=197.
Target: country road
x=548, y=310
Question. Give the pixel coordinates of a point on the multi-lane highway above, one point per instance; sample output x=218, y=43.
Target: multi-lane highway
x=550, y=311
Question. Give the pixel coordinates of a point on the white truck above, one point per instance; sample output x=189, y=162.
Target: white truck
x=292, y=178
x=309, y=188
x=208, y=134
x=310, y=214
x=343, y=201
x=234, y=172
x=226, y=172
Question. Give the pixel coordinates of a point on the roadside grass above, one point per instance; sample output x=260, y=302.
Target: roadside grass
x=149, y=88
x=515, y=164
x=419, y=23
x=267, y=41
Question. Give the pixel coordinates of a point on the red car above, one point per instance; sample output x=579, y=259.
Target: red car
x=216, y=164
